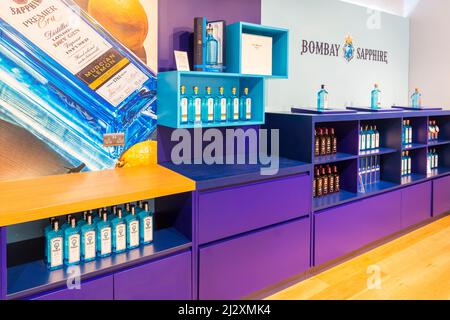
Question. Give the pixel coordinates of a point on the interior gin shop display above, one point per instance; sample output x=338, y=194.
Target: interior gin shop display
x=71, y=84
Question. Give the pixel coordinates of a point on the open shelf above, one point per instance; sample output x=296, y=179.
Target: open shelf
x=377, y=187
x=333, y=158
x=376, y=152
x=438, y=142
x=439, y=172
x=53, y=196
x=413, y=146
x=333, y=200
x=33, y=277
x=413, y=178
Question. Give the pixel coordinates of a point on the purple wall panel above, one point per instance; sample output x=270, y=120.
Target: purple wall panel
x=99, y=289
x=416, y=204
x=441, y=196
x=166, y=279
x=344, y=229
x=176, y=20
x=230, y=211
x=239, y=267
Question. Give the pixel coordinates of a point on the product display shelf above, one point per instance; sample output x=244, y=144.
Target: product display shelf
x=30, y=278
x=376, y=152
x=280, y=47
x=331, y=200
x=169, y=84
x=413, y=178
x=52, y=196
x=438, y=142
x=333, y=158
x=440, y=171
x=413, y=146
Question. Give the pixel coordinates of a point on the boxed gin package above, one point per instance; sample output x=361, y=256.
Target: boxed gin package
x=256, y=54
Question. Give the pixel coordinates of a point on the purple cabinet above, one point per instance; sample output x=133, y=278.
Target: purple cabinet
x=441, y=196
x=341, y=230
x=416, y=204
x=98, y=289
x=231, y=211
x=166, y=279
x=236, y=268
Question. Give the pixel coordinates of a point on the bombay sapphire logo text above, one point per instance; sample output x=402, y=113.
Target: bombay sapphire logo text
x=349, y=51
x=25, y=6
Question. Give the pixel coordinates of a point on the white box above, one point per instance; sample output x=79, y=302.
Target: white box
x=256, y=54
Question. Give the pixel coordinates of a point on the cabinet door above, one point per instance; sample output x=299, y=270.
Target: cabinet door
x=231, y=211
x=236, y=268
x=344, y=229
x=416, y=204
x=165, y=279
x=441, y=196
x=98, y=289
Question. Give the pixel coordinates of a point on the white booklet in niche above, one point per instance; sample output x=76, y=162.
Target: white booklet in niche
x=256, y=54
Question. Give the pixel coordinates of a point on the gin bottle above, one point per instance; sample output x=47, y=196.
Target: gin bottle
x=195, y=108
x=104, y=243
x=146, y=224
x=54, y=247
x=72, y=252
x=212, y=48
x=220, y=107
x=208, y=107
x=233, y=107
x=183, y=105
x=132, y=223
x=88, y=240
x=245, y=109
x=416, y=99
x=322, y=98
x=119, y=243
x=86, y=82
x=375, y=101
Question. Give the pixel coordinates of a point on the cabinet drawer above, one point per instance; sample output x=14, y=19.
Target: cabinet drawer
x=165, y=279
x=236, y=268
x=416, y=204
x=98, y=289
x=234, y=210
x=344, y=229
x=441, y=196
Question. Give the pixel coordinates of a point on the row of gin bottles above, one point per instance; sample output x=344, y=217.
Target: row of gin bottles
x=113, y=230
x=209, y=108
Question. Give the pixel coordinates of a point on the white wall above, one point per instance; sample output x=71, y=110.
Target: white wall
x=349, y=83
x=391, y=6
x=430, y=48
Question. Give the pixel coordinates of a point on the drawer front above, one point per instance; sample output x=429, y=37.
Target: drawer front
x=236, y=268
x=166, y=279
x=416, y=204
x=341, y=230
x=231, y=211
x=441, y=196
x=98, y=289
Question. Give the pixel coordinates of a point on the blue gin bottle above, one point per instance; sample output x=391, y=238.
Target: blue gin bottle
x=184, y=104
x=98, y=216
x=88, y=240
x=208, y=107
x=195, y=108
x=104, y=236
x=82, y=221
x=96, y=83
x=54, y=247
x=132, y=222
x=212, y=48
x=67, y=224
x=221, y=106
x=47, y=229
x=233, y=106
x=146, y=225
x=245, y=106
x=375, y=99
x=416, y=99
x=119, y=233
x=322, y=98
x=72, y=239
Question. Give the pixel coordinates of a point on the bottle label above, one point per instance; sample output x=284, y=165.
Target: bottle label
x=63, y=35
x=363, y=142
x=223, y=109
x=74, y=248
x=121, y=243
x=105, y=241
x=236, y=109
x=184, y=110
x=134, y=233
x=56, y=254
x=377, y=140
x=148, y=229
x=89, y=245
x=248, y=108
x=374, y=141
x=210, y=104
x=198, y=109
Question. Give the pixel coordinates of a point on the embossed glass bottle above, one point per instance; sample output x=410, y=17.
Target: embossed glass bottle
x=104, y=234
x=119, y=233
x=375, y=100
x=132, y=221
x=146, y=224
x=72, y=252
x=54, y=247
x=65, y=79
x=88, y=240
x=212, y=48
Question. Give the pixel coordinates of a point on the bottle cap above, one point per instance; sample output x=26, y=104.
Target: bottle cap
x=55, y=224
x=246, y=90
x=73, y=222
x=119, y=212
x=146, y=206
x=89, y=219
x=104, y=216
x=133, y=209
x=322, y=86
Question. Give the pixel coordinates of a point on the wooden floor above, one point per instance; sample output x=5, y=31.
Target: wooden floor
x=415, y=266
